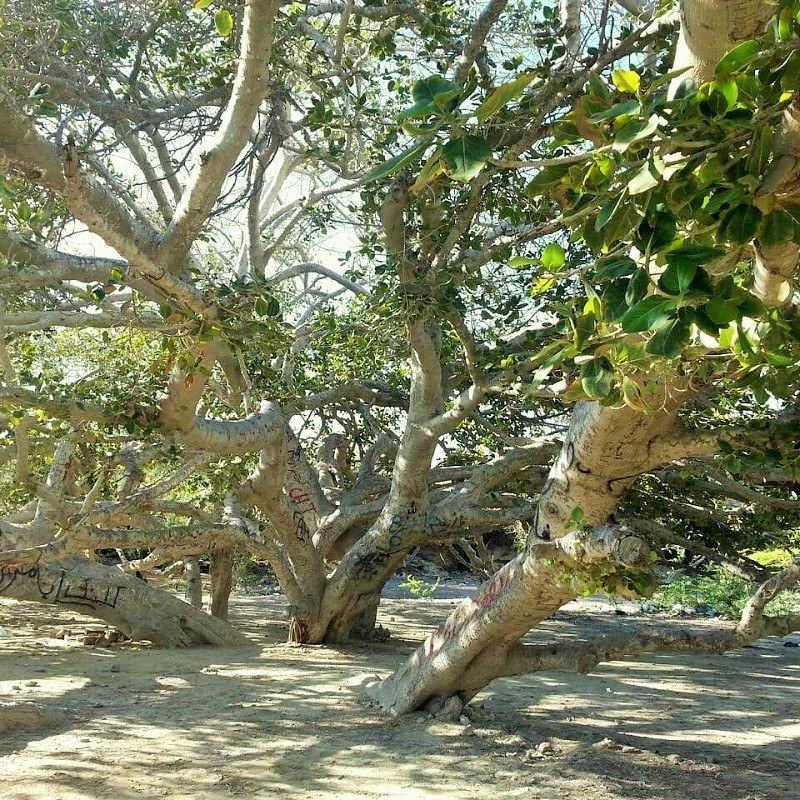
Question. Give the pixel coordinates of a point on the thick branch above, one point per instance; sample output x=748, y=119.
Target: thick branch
x=219, y=155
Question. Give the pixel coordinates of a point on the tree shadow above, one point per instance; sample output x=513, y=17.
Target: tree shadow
x=275, y=720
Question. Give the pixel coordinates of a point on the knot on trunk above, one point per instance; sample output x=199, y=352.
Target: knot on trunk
x=606, y=542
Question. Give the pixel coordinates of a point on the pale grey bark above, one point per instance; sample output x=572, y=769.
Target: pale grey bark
x=194, y=583
x=604, y=451
x=134, y=607
x=571, y=36
x=219, y=154
x=464, y=652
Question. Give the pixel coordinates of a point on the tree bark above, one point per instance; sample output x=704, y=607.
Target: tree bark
x=136, y=608
x=194, y=582
x=221, y=581
x=605, y=450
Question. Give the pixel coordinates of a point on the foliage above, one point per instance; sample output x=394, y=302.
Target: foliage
x=419, y=588
x=409, y=229
x=720, y=592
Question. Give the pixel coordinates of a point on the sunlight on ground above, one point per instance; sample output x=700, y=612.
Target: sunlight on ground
x=274, y=722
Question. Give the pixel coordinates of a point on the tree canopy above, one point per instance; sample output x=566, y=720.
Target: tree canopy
x=328, y=282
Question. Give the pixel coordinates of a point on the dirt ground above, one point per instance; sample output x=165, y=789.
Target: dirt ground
x=276, y=721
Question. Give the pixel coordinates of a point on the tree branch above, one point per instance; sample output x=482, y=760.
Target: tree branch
x=203, y=188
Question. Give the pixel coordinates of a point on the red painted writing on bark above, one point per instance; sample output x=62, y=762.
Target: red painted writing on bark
x=301, y=499
x=456, y=623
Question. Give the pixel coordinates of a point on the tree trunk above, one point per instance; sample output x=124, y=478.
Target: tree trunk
x=221, y=581
x=194, y=582
x=138, y=609
x=362, y=627
x=605, y=450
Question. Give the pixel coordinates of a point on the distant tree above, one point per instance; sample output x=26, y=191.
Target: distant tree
x=330, y=282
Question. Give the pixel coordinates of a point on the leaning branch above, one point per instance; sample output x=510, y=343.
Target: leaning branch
x=583, y=657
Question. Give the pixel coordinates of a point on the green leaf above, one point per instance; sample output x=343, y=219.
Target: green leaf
x=116, y=274
x=740, y=224
x=656, y=231
x=267, y=306
x=760, y=150
x=727, y=197
x=705, y=323
x=420, y=110
x=667, y=77
x=542, y=285
x=737, y=58
x=202, y=3
x=436, y=90
x=616, y=267
x=553, y=257
x=521, y=261
x=545, y=178
x=696, y=254
x=626, y=80
x=597, y=87
x=628, y=107
x=784, y=26
x=637, y=288
x=47, y=108
x=750, y=306
x=780, y=359
x=642, y=181
x=702, y=285
x=596, y=377
x=614, y=300
x=776, y=228
x=607, y=211
x=728, y=89
x=633, y=130
x=721, y=311
x=396, y=163
x=670, y=339
x=464, y=157
x=503, y=95
x=683, y=267
x=624, y=220
x=678, y=277
x=223, y=22
x=578, y=515
x=652, y=312
x=430, y=171
x=23, y=211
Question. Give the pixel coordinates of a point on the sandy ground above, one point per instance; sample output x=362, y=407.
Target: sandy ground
x=275, y=721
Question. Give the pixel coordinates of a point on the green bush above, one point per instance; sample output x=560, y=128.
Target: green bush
x=418, y=588
x=720, y=591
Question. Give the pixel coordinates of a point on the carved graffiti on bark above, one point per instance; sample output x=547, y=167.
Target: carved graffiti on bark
x=367, y=564
x=61, y=588
x=301, y=530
